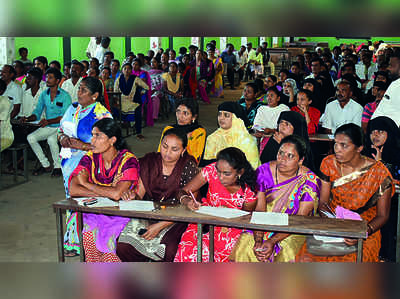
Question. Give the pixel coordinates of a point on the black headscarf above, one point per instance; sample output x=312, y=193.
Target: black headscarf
x=316, y=95
x=391, y=148
x=235, y=108
x=300, y=129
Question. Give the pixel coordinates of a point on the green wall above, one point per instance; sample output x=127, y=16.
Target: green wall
x=333, y=41
x=50, y=47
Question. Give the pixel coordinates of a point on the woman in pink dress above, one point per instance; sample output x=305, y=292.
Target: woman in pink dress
x=231, y=184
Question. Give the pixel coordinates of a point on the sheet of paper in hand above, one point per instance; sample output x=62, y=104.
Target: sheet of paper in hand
x=269, y=218
x=221, y=212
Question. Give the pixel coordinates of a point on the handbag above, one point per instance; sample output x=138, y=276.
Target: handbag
x=321, y=248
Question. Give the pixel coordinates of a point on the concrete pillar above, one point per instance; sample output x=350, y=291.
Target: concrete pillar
x=7, y=50
x=222, y=43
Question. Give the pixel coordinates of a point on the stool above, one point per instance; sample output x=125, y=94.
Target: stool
x=14, y=149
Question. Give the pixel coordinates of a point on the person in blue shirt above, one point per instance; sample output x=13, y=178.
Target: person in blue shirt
x=230, y=59
x=55, y=102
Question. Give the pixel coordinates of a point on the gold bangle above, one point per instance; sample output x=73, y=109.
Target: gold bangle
x=185, y=195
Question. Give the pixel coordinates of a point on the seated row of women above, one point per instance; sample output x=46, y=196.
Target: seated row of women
x=284, y=185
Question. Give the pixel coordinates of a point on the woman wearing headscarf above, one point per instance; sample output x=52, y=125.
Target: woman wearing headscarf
x=382, y=144
x=289, y=92
x=232, y=132
x=314, y=86
x=289, y=123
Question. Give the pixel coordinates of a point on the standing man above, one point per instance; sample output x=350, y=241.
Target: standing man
x=390, y=104
x=102, y=49
x=92, y=46
x=72, y=85
x=55, y=101
x=13, y=91
x=230, y=59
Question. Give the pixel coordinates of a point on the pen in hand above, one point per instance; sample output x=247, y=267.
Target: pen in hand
x=197, y=204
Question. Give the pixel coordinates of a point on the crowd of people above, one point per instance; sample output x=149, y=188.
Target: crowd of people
x=260, y=158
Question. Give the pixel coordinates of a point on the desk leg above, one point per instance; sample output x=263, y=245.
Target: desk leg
x=211, y=249
x=359, y=250
x=398, y=230
x=60, y=241
x=199, y=243
x=80, y=228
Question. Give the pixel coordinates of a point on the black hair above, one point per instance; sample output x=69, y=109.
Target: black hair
x=349, y=64
x=137, y=60
x=3, y=86
x=147, y=58
x=273, y=78
x=352, y=131
x=237, y=160
x=22, y=49
x=86, y=63
x=68, y=64
x=109, y=53
x=191, y=104
x=285, y=71
x=56, y=63
x=57, y=74
x=259, y=82
x=275, y=90
x=96, y=60
x=108, y=69
x=130, y=54
x=21, y=64
x=182, y=50
x=96, y=70
x=307, y=92
x=76, y=62
x=173, y=62
x=115, y=60
x=181, y=134
x=125, y=64
x=111, y=128
x=254, y=86
x=295, y=63
x=36, y=72
x=321, y=62
x=94, y=85
x=298, y=142
x=173, y=51
x=41, y=59
x=105, y=40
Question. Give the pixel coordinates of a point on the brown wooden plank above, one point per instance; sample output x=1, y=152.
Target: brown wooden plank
x=297, y=224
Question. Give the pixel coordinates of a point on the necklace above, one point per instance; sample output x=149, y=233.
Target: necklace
x=276, y=173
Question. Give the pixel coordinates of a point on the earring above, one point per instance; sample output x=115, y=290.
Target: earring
x=238, y=176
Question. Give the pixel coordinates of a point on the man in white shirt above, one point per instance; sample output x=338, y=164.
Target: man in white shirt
x=13, y=91
x=102, y=49
x=72, y=85
x=365, y=69
x=32, y=91
x=341, y=111
x=390, y=104
x=92, y=46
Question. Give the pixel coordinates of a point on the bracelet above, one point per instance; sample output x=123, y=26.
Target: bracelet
x=371, y=228
x=185, y=195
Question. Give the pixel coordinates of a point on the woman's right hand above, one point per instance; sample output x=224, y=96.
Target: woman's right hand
x=190, y=203
x=128, y=195
x=65, y=141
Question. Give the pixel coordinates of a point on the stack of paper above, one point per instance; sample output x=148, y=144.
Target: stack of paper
x=136, y=205
x=328, y=239
x=102, y=202
x=269, y=218
x=221, y=212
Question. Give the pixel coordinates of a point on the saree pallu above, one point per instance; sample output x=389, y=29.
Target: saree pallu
x=359, y=192
x=281, y=198
x=106, y=229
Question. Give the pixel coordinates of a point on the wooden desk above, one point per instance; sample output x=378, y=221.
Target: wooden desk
x=321, y=137
x=297, y=224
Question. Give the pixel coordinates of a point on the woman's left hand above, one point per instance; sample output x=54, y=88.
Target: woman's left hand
x=152, y=231
x=264, y=252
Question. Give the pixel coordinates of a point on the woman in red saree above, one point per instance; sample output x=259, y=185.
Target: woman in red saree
x=357, y=183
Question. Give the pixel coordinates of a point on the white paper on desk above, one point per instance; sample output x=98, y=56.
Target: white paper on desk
x=221, y=212
x=331, y=136
x=136, y=205
x=269, y=218
x=326, y=239
x=102, y=202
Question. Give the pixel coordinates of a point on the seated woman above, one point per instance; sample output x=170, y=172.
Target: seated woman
x=187, y=112
x=359, y=184
x=284, y=186
x=250, y=103
x=315, y=87
x=173, y=85
x=311, y=114
x=232, y=132
x=231, y=184
x=108, y=170
x=161, y=177
x=74, y=135
x=289, y=123
x=131, y=98
x=6, y=132
x=267, y=116
x=382, y=144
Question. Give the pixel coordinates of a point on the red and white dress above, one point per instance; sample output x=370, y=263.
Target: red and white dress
x=224, y=237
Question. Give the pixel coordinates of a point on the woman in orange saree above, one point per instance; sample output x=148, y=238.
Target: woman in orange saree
x=359, y=184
